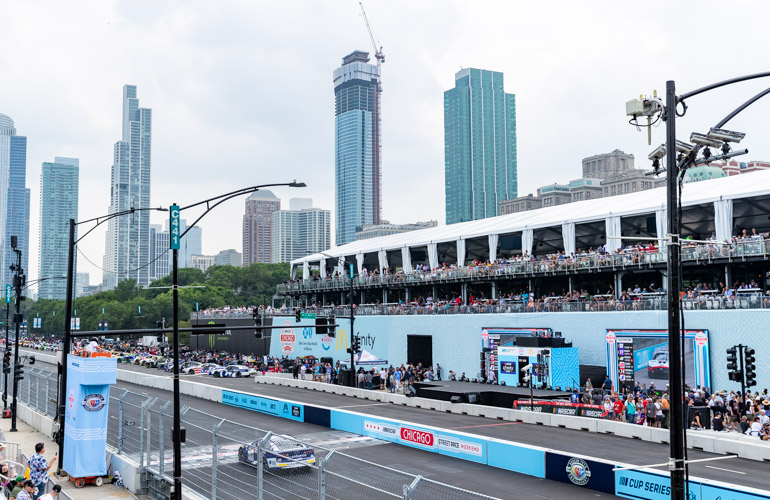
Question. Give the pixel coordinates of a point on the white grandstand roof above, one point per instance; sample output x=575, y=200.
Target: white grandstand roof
x=695, y=193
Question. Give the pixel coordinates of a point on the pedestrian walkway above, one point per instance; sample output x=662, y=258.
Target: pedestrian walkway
x=27, y=437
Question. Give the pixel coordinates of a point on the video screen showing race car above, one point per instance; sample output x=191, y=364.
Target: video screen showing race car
x=651, y=362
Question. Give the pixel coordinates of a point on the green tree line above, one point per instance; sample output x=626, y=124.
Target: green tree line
x=130, y=307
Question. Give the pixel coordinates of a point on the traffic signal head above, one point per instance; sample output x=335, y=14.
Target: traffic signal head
x=259, y=335
x=296, y=315
x=749, y=363
x=732, y=359
x=18, y=372
x=331, y=330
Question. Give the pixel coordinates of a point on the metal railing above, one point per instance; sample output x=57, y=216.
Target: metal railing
x=520, y=269
x=214, y=465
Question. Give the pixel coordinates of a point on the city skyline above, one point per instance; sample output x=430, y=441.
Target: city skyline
x=226, y=126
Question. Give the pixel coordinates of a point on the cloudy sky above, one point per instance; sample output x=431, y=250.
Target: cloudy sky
x=241, y=91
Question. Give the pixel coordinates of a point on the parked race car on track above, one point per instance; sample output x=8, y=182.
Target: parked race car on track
x=190, y=368
x=236, y=371
x=283, y=452
x=208, y=368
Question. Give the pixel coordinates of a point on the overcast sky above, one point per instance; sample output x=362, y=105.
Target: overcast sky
x=241, y=91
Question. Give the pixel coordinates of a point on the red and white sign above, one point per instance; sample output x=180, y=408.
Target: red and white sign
x=287, y=338
x=484, y=335
x=610, y=338
x=449, y=443
x=701, y=339
x=422, y=438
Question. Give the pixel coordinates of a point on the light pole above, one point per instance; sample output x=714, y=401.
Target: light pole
x=68, y=311
x=174, y=243
x=352, y=320
x=676, y=167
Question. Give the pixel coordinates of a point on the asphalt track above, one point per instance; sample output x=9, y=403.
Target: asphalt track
x=484, y=479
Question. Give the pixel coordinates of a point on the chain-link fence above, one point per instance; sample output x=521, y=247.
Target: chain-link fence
x=222, y=459
x=38, y=389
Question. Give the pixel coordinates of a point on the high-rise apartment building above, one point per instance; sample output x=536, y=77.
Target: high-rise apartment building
x=59, y=183
x=160, y=253
x=357, y=147
x=202, y=262
x=480, y=166
x=82, y=283
x=300, y=231
x=127, y=245
x=229, y=257
x=258, y=226
x=14, y=198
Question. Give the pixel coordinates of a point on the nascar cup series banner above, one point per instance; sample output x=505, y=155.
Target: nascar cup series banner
x=87, y=405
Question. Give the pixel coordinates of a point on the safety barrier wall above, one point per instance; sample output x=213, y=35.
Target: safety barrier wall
x=586, y=472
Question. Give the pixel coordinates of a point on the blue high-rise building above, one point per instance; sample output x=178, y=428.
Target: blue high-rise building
x=357, y=158
x=480, y=168
x=127, y=245
x=59, y=182
x=14, y=198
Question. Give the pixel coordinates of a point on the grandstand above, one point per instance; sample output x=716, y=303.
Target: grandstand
x=553, y=252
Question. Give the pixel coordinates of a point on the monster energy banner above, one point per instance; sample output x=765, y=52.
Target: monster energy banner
x=86, y=413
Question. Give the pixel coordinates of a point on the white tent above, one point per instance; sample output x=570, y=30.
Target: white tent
x=366, y=358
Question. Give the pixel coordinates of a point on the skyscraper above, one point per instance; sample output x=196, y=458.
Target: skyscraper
x=14, y=197
x=58, y=204
x=357, y=149
x=479, y=145
x=127, y=245
x=258, y=225
x=300, y=231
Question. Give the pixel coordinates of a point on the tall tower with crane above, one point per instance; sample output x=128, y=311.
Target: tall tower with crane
x=357, y=141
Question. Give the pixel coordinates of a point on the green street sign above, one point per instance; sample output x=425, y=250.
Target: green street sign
x=350, y=268
x=8, y=293
x=307, y=315
x=174, y=225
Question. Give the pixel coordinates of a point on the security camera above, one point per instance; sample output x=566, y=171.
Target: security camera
x=660, y=152
x=725, y=135
x=704, y=140
x=527, y=368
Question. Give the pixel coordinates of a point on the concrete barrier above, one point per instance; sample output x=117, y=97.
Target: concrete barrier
x=721, y=443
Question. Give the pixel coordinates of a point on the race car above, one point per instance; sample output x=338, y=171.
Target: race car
x=208, y=368
x=657, y=367
x=191, y=368
x=236, y=371
x=283, y=452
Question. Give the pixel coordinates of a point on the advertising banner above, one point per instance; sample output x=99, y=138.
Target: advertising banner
x=276, y=407
x=561, y=408
x=86, y=414
x=580, y=471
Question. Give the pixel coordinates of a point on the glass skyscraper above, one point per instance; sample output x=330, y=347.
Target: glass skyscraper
x=300, y=231
x=479, y=146
x=127, y=245
x=357, y=156
x=59, y=183
x=14, y=198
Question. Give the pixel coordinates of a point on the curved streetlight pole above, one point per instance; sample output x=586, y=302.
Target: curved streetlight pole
x=174, y=241
x=677, y=465
x=61, y=403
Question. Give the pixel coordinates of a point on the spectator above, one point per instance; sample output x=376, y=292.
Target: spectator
x=55, y=490
x=38, y=469
x=27, y=491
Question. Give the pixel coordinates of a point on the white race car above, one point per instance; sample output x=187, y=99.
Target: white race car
x=235, y=371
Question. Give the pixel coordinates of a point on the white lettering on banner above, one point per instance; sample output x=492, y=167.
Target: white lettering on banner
x=379, y=428
x=422, y=438
x=453, y=444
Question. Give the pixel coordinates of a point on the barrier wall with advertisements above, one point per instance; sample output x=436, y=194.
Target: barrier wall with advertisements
x=556, y=465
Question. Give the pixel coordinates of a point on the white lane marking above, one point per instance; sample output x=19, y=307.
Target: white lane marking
x=367, y=404
x=726, y=470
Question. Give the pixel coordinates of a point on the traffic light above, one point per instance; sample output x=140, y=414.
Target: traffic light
x=18, y=372
x=296, y=315
x=160, y=324
x=7, y=362
x=356, y=344
x=331, y=330
x=732, y=359
x=749, y=364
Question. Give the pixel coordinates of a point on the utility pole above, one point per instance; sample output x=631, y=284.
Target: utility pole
x=676, y=463
x=18, y=282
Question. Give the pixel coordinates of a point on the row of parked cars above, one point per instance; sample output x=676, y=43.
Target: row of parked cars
x=187, y=367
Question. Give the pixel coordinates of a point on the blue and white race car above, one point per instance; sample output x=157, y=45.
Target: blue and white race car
x=208, y=368
x=235, y=371
x=283, y=452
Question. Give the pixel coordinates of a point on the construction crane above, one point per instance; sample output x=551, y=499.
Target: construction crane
x=377, y=52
